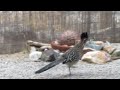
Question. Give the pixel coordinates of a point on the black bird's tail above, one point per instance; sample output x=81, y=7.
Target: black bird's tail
x=52, y=64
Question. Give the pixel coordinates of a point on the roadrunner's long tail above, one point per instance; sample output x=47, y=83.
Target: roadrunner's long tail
x=54, y=63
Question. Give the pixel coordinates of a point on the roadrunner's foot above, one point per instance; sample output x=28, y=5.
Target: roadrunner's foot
x=73, y=66
x=69, y=72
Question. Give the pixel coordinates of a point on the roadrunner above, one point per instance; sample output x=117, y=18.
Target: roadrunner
x=70, y=57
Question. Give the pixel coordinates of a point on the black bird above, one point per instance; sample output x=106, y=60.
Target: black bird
x=70, y=57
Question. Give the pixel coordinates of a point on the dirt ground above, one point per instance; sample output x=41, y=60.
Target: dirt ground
x=18, y=66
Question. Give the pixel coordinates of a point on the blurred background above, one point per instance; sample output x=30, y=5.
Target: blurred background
x=16, y=27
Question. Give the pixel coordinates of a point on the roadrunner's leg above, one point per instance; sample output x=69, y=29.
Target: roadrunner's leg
x=69, y=71
x=73, y=66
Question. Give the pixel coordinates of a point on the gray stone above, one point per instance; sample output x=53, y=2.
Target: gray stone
x=116, y=53
x=49, y=55
x=93, y=45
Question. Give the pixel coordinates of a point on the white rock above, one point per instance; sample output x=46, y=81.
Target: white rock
x=98, y=57
x=34, y=55
x=61, y=53
x=57, y=51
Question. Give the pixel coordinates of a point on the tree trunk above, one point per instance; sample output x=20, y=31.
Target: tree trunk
x=51, y=23
x=113, y=27
x=88, y=22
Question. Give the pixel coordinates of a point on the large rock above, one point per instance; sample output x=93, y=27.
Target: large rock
x=98, y=57
x=108, y=48
x=87, y=49
x=99, y=43
x=91, y=44
x=116, y=53
x=34, y=55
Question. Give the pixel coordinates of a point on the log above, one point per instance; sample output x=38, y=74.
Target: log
x=37, y=44
x=43, y=48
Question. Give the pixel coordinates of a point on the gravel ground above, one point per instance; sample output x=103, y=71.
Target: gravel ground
x=18, y=66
